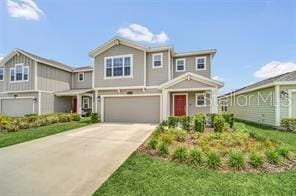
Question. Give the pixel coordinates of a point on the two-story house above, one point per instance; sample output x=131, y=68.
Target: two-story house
x=128, y=82
x=137, y=83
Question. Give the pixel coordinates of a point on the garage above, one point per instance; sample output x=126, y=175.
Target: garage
x=17, y=106
x=132, y=109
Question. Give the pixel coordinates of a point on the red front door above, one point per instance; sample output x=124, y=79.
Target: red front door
x=180, y=105
x=75, y=105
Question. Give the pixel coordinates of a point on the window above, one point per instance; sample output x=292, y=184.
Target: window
x=85, y=103
x=1, y=74
x=200, y=63
x=157, y=60
x=180, y=65
x=118, y=67
x=81, y=77
x=19, y=73
x=200, y=99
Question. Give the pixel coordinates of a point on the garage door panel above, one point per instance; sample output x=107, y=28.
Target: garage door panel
x=16, y=107
x=132, y=109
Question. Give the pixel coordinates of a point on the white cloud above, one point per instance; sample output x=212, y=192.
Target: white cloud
x=26, y=9
x=218, y=78
x=138, y=32
x=274, y=68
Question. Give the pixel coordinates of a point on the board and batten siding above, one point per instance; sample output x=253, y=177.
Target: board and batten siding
x=53, y=79
x=157, y=76
x=117, y=50
x=256, y=110
x=19, y=85
x=191, y=66
x=86, y=83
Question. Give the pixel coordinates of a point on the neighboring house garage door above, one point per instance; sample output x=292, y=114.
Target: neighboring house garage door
x=17, y=107
x=142, y=109
x=293, y=106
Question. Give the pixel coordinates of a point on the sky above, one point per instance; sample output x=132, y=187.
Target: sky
x=255, y=39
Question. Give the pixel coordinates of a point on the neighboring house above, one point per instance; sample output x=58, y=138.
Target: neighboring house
x=265, y=102
x=129, y=82
x=30, y=84
x=137, y=83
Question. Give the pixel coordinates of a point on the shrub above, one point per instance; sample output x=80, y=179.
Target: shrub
x=195, y=156
x=236, y=160
x=289, y=124
x=164, y=123
x=273, y=157
x=167, y=138
x=180, y=153
x=180, y=135
x=75, y=117
x=163, y=149
x=213, y=160
x=199, y=122
x=153, y=143
x=210, y=118
x=196, y=135
x=94, y=117
x=219, y=122
x=173, y=121
x=185, y=122
x=229, y=118
x=256, y=160
x=283, y=152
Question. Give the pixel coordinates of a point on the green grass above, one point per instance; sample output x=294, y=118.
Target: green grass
x=7, y=139
x=145, y=175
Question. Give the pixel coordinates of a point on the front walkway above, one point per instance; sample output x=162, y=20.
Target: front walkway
x=71, y=163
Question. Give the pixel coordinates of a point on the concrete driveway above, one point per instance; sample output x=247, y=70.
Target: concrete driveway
x=76, y=162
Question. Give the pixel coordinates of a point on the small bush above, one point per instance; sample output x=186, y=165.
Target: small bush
x=185, y=122
x=219, y=123
x=229, y=118
x=213, y=160
x=196, y=135
x=289, y=124
x=210, y=118
x=163, y=149
x=273, y=157
x=256, y=160
x=164, y=123
x=199, y=122
x=236, y=160
x=180, y=135
x=180, y=153
x=283, y=152
x=94, y=117
x=195, y=156
x=153, y=143
x=167, y=138
x=173, y=121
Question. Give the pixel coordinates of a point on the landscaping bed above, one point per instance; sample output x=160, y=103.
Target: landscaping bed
x=219, y=146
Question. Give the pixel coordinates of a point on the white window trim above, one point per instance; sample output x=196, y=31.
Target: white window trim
x=205, y=99
x=174, y=94
x=177, y=65
x=205, y=62
x=118, y=77
x=3, y=73
x=83, y=102
x=23, y=71
x=78, y=78
x=161, y=60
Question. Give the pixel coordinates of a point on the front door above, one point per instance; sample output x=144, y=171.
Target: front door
x=75, y=104
x=180, y=105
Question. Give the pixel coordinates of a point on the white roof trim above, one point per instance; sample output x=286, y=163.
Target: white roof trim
x=82, y=70
x=201, y=52
x=192, y=76
x=72, y=92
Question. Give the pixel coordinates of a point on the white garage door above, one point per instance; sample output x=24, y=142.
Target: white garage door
x=17, y=107
x=143, y=109
x=293, y=106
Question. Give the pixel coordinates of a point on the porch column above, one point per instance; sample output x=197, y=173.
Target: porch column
x=96, y=101
x=214, y=100
x=165, y=105
x=78, y=104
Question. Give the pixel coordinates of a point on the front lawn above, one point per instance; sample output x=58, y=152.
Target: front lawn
x=10, y=138
x=143, y=174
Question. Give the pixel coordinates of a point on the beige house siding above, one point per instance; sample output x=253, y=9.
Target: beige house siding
x=157, y=76
x=138, y=67
x=87, y=83
x=62, y=104
x=53, y=79
x=190, y=66
x=19, y=85
x=47, y=103
x=256, y=110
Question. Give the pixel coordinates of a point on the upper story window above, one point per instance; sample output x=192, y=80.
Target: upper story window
x=180, y=65
x=157, y=60
x=81, y=76
x=200, y=99
x=19, y=73
x=200, y=63
x=1, y=74
x=118, y=66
